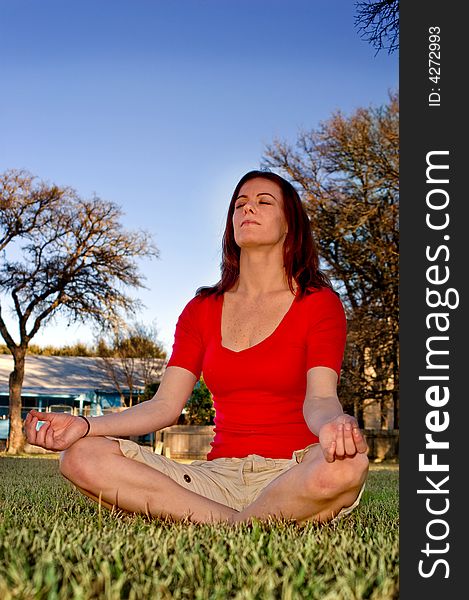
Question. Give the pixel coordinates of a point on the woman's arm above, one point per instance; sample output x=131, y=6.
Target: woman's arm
x=321, y=403
x=338, y=433
x=61, y=430
x=161, y=411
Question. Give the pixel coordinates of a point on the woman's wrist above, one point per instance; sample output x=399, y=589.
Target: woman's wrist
x=88, y=425
x=324, y=419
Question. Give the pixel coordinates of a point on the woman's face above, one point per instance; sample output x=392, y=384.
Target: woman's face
x=258, y=217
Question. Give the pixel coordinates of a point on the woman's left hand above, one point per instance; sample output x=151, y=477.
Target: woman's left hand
x=341, y=438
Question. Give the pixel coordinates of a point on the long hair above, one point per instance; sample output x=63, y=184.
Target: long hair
x=300, y=255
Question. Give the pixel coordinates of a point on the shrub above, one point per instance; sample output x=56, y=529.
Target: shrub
x=199, y=407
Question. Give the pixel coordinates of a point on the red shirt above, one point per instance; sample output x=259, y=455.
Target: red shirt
x=258, y=393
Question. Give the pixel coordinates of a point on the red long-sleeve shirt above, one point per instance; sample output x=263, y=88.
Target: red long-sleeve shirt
x=258, y=393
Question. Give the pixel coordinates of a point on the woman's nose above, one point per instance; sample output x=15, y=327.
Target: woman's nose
x=248, y=207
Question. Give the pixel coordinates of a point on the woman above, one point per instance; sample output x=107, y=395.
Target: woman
x=269, y=338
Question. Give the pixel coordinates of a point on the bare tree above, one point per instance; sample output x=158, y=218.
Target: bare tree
x=347, y=171
x=132, y=358
x=378, y=23
x=60, y=254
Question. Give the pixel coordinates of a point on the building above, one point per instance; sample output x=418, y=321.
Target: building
x=80, y=385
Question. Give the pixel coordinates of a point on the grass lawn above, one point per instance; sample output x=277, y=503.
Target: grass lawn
x=57, y=544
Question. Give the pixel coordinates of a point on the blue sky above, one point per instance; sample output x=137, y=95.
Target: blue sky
x=162, y=106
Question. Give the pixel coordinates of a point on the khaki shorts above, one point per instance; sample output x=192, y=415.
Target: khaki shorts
x=234, y=482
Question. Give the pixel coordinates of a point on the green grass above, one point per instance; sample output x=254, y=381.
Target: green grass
x=57, y=544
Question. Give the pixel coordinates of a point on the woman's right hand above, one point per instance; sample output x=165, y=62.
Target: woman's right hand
x=59, y=431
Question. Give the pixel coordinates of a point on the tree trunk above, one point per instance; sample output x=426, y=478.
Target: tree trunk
x=16, y=439
x=358, y=412
x=396, y=397
x=396, y=409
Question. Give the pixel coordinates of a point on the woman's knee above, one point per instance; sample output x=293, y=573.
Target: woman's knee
x=339, y=477
x=81, y=462
x=358, y=471
x=74, y=460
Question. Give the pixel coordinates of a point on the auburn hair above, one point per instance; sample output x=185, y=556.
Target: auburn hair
x=300, y=255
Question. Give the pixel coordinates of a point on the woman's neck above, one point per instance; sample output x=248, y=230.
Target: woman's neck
x=261, y=273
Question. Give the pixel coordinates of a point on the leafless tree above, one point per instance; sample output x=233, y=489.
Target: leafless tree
x=64, y=254
x=377, y=22
x=132, y=359
x=347, y=171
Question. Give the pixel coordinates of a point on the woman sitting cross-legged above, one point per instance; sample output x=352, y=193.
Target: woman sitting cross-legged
x=269, y=339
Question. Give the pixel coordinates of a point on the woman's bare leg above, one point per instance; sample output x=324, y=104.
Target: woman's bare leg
x=311, y=490
x=97, y=466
